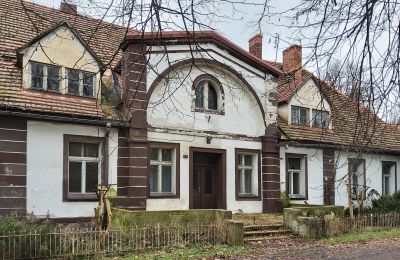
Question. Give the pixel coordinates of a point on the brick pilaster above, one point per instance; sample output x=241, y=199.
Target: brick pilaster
x=133, y=144
x=328, y=156
x=270, y=172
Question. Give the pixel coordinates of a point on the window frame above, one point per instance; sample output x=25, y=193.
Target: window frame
x=299, y=114
x=103, y=167
x=217, y=86
x=313, y=118
x=299, y=156
x=45, y=76
x=81, y=85
x=175, y=147
x=351, y=161
x=391, y=164
x=248, y=197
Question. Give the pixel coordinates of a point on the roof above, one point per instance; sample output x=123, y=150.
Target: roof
x=196, y=37
x=22, y=22
x=353, y=125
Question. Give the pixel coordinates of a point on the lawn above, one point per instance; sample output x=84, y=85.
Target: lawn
x=193, y=252
x=354, y=237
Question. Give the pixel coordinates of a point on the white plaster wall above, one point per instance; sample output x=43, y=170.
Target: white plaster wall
x=315, y=172
x=171, y=105
x=373, y=168
x=187, y=141
x=45, y=142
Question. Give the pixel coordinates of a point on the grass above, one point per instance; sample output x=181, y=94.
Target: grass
x=363, y=236
x=193, y=252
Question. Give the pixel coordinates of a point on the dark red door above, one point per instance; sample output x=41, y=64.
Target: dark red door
x=204, y=194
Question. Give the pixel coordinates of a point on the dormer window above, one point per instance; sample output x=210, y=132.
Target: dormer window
x=300, y=115
x=45, y=76
x=80, y=83
x=320, y=118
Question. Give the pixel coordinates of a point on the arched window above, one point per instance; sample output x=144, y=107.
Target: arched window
x=206, y=95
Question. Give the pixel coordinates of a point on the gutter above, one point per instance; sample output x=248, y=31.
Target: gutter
x=339, y=147
x=86, y=121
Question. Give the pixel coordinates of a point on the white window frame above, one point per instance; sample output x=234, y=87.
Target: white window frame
x=299, y=114
x=80, y=90
x=85, y=160
x=44, y=79
x=359, y=174
x=302, y=172
x=159, y=163
x=392, y=175
x=254, y=173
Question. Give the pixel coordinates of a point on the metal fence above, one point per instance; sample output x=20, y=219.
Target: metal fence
x=325, y=227
x=89, y=242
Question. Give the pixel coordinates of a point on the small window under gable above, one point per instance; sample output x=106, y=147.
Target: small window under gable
x=300, y=115
x=45, y=76
x=320, y=118
x=208, y=96
x=80, y=83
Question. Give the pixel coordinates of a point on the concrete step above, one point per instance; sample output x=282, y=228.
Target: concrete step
x=267, y=233
x=261, y=239
x=263, y=227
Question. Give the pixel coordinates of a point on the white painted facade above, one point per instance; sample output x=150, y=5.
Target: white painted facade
x=45, y=142
x=173, y=119
x=373, y=170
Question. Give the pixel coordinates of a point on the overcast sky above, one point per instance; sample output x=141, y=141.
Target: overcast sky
x=239, y=30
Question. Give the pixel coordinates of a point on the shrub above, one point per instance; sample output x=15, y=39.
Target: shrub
x=386, y=204
x=285, y=199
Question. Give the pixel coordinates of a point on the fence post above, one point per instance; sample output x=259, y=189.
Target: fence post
x=234, y=232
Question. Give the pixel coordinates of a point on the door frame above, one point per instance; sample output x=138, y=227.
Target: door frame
x=222, y=163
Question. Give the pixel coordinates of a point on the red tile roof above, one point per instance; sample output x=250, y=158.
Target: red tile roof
x=353, y=125
x=22, y=21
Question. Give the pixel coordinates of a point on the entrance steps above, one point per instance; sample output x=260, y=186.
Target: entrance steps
x=256, y=233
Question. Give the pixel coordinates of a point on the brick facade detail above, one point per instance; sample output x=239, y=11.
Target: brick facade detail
x=292, y=60
x=270, y=174
x=328, y=157
x=133, y=145
x=13, y=132
x=255, y=45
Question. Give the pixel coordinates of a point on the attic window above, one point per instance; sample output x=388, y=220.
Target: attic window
x=81, y=83
x=45, y=76
x=320, y=118
x=300, y=115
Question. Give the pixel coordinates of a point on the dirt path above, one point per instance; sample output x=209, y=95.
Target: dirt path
x=295, y=248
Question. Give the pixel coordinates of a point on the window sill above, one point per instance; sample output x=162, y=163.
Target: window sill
x=297, y=197
x=81, y=197
x=80, y=96
x=161, y=195
x=208, y=111
x=45, y=90
x=244, y=196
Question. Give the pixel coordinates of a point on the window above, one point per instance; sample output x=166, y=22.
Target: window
x=45, y=77
x=82, y=167
x=296, y=177
x=207, y=95
x=163, y=179
x=358, y=180
x=389, y=178
x=247, y=174
x=81, y=83
x=320, y=118
x=300, y=115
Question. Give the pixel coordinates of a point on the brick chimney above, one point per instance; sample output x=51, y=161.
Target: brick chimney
x=292, y=60
x=68, y=8
x=255, y=45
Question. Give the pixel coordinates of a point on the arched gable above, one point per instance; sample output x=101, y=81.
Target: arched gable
x=203, y=61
